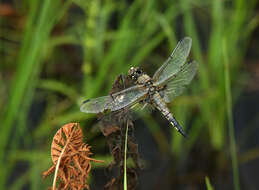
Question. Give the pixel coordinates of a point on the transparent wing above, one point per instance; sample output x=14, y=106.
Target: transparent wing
x=140, y=110
x=176, y=86
x=114, y=101
x=96, y=105
x=174, y=62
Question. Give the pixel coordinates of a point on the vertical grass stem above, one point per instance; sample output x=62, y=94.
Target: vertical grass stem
x=230, y=119
x=125, y=160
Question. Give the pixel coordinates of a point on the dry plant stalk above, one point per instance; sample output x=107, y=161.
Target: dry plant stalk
x=70, y=157
x=113, y=126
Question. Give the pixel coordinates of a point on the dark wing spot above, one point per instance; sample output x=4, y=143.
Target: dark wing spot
x=190, y=61
x=86, y=101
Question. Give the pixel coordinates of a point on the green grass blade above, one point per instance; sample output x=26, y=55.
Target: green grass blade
x=54, y=85
x=217, y=128
x=125, y=159
x=208, y=184
x=40, y=22
x=230, y=119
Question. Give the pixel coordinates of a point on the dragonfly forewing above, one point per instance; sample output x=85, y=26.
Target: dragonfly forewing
x=116, y=101
x=96, y=105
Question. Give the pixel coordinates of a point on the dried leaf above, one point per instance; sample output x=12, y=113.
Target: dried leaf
x=70, y=133
x=71, y=155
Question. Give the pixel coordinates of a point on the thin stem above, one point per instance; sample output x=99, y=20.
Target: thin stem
x=230, y=120
x=57, y=167
x=125, y=159
x=208, y=184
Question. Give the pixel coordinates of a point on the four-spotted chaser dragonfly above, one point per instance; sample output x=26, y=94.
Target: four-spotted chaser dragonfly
x=168, y=82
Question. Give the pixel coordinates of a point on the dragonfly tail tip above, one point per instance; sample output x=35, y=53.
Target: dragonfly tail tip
x=183, y=133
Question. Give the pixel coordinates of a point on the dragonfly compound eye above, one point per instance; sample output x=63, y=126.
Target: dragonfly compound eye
x=131, y=71
x=138, y=72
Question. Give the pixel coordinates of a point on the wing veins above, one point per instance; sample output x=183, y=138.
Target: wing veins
x=177, y=85
x=114, y=101
x=174, y=63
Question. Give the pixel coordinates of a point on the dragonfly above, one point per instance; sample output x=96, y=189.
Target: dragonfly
x=168, y=82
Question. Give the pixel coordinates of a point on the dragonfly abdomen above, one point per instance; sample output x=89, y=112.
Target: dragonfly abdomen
x=173, y=122
x=161, y=106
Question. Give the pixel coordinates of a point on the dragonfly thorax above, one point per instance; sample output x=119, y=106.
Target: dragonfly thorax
x=144, y=79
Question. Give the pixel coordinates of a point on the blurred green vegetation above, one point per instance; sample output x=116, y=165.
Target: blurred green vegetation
x=54, y=54
x=208, y=184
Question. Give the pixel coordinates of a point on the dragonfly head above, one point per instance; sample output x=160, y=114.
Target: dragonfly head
x=135, y=73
